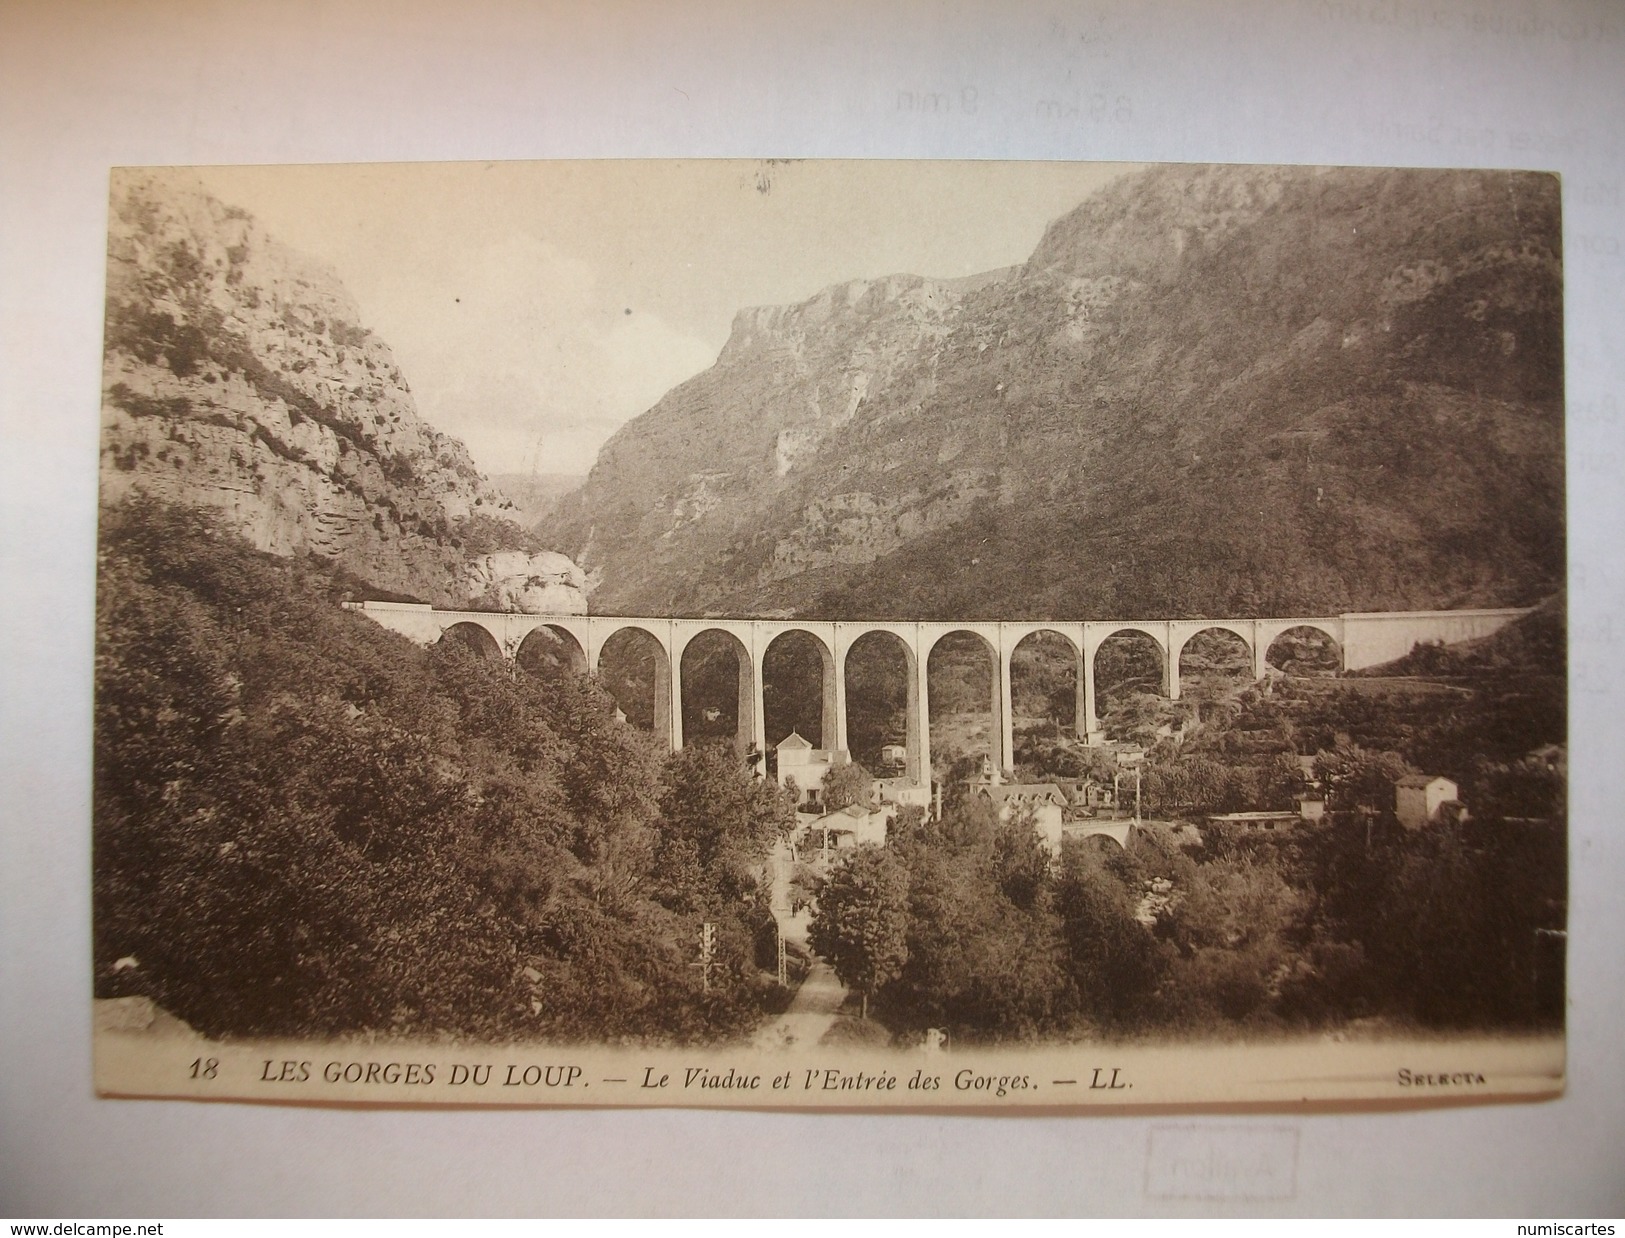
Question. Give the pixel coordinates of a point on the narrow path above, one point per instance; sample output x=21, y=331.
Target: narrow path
x=811, y=1012
x=816, y=1003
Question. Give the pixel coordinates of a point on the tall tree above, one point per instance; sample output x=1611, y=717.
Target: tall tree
x=717, y=825
x=861, y=925
x=1112, y=959
x=846, y=784
x=1356, y=777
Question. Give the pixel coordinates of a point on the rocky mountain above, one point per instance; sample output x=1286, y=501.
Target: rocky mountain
x=238, y=376
x=1236, y=390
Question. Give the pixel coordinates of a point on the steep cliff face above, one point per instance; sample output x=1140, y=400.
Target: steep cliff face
x=1209, y=389
x=238, y=376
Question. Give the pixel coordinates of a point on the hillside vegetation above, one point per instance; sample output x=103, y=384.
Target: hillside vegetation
x=306, y=825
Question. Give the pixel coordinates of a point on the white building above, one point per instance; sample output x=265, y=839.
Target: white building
x=1043, y=799
x=798, y=759
x=1419, y=797
x=849, y=827
x=904, y=792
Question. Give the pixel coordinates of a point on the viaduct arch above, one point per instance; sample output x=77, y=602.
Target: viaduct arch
x=551, y=640
x=1363, y=639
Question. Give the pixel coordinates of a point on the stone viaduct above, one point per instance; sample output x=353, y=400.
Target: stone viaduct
x=1363, y=640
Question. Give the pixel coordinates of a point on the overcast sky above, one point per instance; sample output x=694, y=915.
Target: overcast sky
x=536, y=307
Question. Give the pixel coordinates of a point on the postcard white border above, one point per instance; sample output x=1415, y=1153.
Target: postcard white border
x=87, y=86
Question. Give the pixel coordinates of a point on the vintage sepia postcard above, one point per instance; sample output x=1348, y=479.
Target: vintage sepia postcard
x=893, y=635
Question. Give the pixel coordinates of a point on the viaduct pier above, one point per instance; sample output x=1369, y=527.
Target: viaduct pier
x=1361, y=639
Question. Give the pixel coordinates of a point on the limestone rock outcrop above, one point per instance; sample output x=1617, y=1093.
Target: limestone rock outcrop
x=239, y=377
x=544, y=583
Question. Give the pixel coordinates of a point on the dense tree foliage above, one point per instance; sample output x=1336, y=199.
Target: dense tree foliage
x=307, y=825
x=862, y=919
x=969, y=925
x=846, y=784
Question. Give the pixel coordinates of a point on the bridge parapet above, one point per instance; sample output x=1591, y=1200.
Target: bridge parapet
x=1373, y=637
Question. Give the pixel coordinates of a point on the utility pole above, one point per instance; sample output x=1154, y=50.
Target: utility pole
x=708, y=950
x=1135, y=760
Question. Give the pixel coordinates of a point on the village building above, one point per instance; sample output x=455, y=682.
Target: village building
x=1085, y=796
x=1311, y=806
x=903, y=792
x=1073, y=791
x=1046, y=802
x=1421, y=799
x=1098, y=797
x=1253, y=821
x=849, y=827
x=798, y=759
